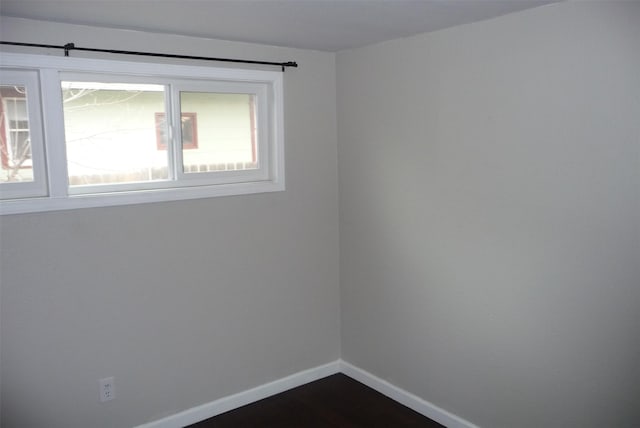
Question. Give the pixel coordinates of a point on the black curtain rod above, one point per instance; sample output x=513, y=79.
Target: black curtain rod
x=71, y=46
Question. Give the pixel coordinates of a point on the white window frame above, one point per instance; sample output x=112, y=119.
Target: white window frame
x=56, y=194
x=262, y=130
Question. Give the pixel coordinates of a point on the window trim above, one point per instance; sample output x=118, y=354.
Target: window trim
x=59, y=197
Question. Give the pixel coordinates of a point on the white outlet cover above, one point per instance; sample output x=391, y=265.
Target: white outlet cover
x=107, y=389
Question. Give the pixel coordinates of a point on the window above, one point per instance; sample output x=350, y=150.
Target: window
x=120, y=132
x=21, y=143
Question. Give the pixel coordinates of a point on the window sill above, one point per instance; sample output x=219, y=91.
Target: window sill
x=32, y=205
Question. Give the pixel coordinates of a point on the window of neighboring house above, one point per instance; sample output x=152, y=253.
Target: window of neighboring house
x=15, y=145
x=120, y=133
x=189, y=129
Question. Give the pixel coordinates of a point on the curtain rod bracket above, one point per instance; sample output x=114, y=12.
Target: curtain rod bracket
x=68, y=47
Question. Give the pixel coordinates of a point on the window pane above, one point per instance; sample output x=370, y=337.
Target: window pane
x=15, y=140
x=110, y=132
x=218, y=132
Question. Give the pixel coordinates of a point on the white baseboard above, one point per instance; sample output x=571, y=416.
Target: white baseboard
x=414, y=402
x=209, y=410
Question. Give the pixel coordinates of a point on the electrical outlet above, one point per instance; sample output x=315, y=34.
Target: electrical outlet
x=107, y=390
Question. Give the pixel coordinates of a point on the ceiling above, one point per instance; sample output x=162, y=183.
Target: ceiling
x=328, y=25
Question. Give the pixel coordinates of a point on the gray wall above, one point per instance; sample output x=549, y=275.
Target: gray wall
x=489, y=239
x=490, y=215
x=182, y=302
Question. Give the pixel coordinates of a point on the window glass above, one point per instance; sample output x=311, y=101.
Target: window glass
x=189, y=131
x=15, y=140
x=218, y=132
x=111, y=133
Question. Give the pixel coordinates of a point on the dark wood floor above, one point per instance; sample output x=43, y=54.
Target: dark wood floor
x=332, y=402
